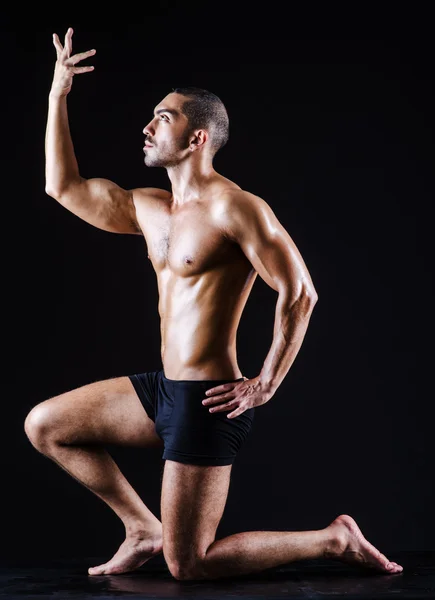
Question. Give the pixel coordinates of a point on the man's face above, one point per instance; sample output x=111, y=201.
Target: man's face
x=167, y=134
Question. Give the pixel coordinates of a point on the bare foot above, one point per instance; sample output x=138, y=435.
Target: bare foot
x=350, y=546
x=133, y=552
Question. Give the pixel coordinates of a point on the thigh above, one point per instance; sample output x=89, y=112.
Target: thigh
x=193, y=499
x=108, y=412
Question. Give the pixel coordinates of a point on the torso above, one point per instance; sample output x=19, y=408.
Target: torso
x=204, y=280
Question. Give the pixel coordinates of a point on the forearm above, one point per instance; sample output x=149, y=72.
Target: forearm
x=291, y=323
x=61, y=166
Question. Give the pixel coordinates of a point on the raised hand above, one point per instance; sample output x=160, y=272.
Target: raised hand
x=65, y=68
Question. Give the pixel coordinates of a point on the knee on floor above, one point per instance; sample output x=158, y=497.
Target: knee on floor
x=185, y=568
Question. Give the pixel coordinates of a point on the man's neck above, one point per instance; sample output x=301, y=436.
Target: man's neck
x=188, y=180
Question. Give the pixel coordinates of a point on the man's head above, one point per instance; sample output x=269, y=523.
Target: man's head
x=187, y=120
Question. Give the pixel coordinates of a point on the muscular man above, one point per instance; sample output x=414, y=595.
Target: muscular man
x=207, y=240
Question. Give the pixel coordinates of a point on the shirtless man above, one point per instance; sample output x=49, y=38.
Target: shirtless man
x=207, y=240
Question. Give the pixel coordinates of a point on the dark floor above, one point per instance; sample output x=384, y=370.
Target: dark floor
x=68, y=578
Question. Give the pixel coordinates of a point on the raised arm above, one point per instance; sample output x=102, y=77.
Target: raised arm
x=99, y=202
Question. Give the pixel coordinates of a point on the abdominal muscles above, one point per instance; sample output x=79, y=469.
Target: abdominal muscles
x=199, y=319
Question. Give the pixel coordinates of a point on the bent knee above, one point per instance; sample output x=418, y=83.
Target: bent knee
x=186, y=572
x=186, y=567
x=38, y=425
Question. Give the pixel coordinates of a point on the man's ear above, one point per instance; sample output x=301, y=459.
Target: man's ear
x=199, y=139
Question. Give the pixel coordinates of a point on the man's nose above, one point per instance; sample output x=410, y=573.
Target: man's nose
x=147, y=130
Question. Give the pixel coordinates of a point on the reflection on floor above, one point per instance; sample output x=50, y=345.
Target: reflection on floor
x=68, y=578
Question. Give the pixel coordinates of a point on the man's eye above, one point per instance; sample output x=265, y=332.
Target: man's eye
x=163, y=117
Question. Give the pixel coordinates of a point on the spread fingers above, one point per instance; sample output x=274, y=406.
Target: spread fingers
x=73, y=60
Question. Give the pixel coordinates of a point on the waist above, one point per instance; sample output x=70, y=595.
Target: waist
x=178, y=365
x=196, y=348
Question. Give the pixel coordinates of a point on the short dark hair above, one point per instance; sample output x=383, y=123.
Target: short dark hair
x=204, y=109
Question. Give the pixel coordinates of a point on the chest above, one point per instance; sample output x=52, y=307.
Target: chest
x=188, y=242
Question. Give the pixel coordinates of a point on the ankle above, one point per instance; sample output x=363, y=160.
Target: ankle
x=144, y=531
x=335, y=543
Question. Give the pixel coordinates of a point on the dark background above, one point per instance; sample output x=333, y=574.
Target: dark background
x=331, y=122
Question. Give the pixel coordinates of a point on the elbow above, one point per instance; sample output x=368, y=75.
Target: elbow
x=52, y=186
x=308, y=299
x=55, y=191
x=305, y=294
x=58, y=187
x=313, y=296
x=50, y=191
x=302, y=302
x=306, y=302
x=308, y=293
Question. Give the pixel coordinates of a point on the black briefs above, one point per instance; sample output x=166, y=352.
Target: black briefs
x=190, y=433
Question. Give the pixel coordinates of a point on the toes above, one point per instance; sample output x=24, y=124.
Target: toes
x=394, y=567
x=96, y=570
x=385, y=563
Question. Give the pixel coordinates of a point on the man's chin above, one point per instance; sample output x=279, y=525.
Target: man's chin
x=150, y=163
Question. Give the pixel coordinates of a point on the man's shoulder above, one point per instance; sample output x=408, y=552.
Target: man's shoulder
x=236, y=210
x=233, y=202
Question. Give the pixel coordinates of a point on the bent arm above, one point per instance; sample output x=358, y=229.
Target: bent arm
x=292, y=317
x=249, y=221
x=99, y=202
